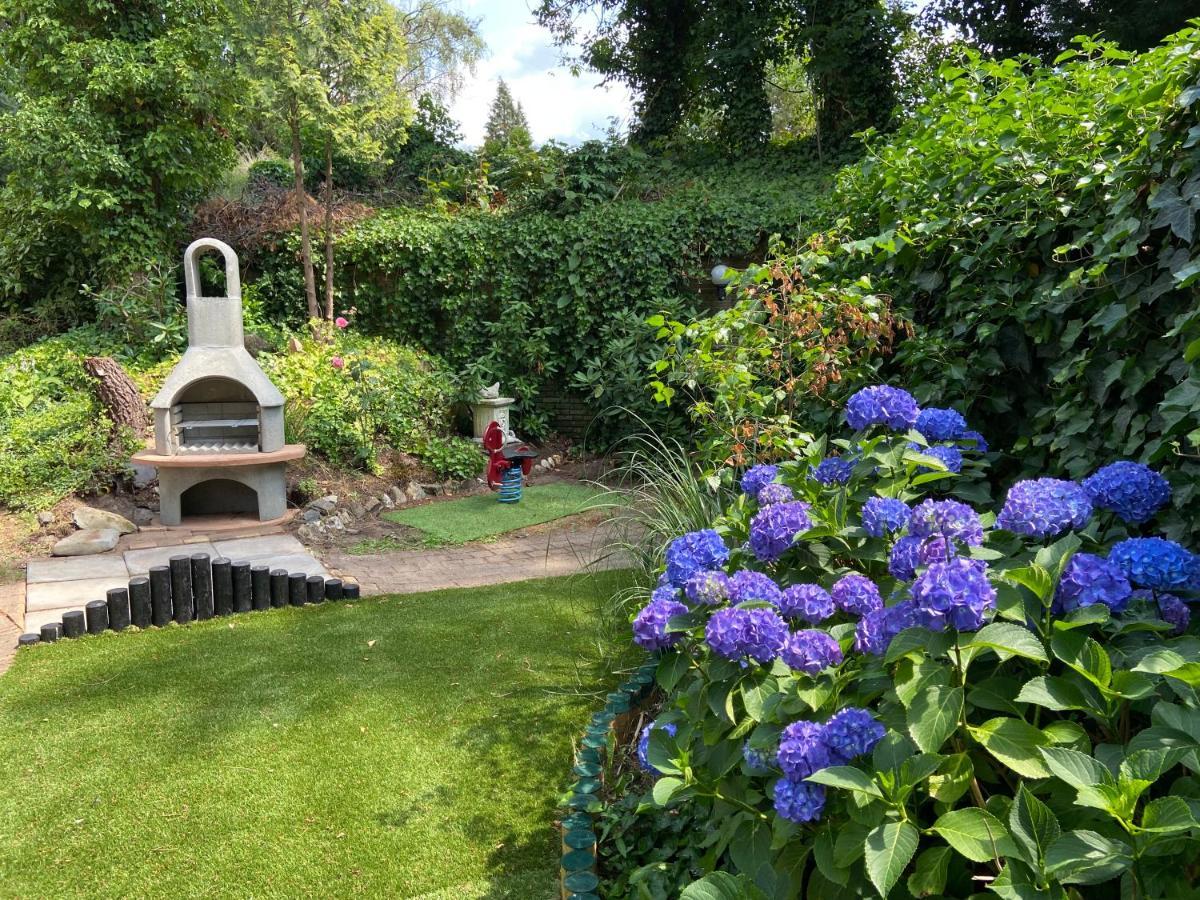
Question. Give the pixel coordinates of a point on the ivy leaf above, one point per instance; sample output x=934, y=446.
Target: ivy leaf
x=1085, y=857
x=1174, y=212
x=887, y=852
x=1009, y=640
x=933, y=716
x=975, y=833
x=928, y=878
x=1014, y=743
x=1033, y=827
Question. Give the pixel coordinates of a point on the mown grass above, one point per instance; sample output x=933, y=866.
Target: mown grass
x=396, y=747
x=481, y=516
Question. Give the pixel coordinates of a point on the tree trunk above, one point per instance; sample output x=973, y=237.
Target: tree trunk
x=329, y=229
x=118, y=395
x=306, y=258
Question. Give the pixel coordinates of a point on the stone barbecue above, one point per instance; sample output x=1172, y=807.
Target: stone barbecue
x=218, y=420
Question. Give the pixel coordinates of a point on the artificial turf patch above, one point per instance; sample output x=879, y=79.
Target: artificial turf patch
x=387, y=747
x=482, y=516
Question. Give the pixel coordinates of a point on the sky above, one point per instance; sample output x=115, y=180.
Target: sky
x=558, y=105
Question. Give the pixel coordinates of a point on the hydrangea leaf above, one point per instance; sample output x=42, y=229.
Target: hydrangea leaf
x=933, y=716
x=1009, y=640
x=722, y=886
x=887, y=852
x=665, y=788
x=928, y=878
x=1084, y=655
x=1075, y=768
x=1053, y=692
x=1085, y=857
x=848, y=778
x=1033, y=827
x=975, y=833
x=823, y=855
x=1168, y=815
x=1014, y=743
x=953, y=778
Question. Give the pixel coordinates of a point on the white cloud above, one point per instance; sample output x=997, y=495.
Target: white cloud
x=558, y=105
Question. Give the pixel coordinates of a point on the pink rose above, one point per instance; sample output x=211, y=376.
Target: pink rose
x=337, y=362
x=340, y=322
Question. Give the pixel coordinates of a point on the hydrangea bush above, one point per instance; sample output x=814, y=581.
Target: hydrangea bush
x=884, y=683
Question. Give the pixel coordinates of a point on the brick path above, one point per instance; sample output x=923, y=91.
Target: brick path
x=12, y=620
x=562, y=550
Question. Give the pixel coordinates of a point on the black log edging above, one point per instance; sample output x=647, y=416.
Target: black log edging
x=202, y=585
x=577, y=863
x=192, y=588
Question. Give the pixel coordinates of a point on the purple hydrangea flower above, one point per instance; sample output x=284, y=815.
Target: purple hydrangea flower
x=756, y=477
x=810, y=651
x=956, y=592
x=723, y=633
x=936, y=548
x=856, y=594
x=833, y=470
x=882, y=405
x=799, y=801
x=1044, y=507
x=707, y=588
x=948, y=518
x=884, y=515
x=773, y=493
x=850, y=733
x=665, y=592
x=650, y=625
x=809, y=602
x=973, y=440
x=695, y=552
x=950, y=457
x=774, y=528
x=875, y=630
x=1156, y=563
x=643, y=745
x=1133, y=491
x=759, y=761
x=746, y=585
x=802, y=749
x=734, y=633
x=940, y=424
x=905, y=557
x=1174, y=612
x=1088, y=579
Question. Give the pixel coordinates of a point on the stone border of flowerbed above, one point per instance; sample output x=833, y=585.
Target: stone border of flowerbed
x=193, y=588
x=577, y=867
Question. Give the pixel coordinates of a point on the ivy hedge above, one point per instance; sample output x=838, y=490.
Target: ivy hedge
x=556, y=303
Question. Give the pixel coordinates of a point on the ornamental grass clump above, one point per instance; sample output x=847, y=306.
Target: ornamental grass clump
x=891, y=684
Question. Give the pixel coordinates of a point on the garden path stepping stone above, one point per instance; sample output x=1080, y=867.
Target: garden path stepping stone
x=256, y=548
x=87, y=542
x=140, y=561
x=88, y=517
x=75, y=568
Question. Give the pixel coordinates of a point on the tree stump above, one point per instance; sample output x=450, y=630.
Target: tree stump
x=118, y=395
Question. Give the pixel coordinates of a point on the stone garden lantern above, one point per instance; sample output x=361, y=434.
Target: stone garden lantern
x=490, y=407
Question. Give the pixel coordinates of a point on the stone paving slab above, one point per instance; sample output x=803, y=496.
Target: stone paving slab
x=140, y=561
x=256, y=548
x=76, y=568
x=35, y=620
x=64, y=594
x=301, y=562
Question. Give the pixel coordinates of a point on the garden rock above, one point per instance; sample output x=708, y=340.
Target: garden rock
x=91, y=519
x=415, y=492
x=45, y=517
x=357, y=510
x=311, y=515
x=325, y=504
x=143, y=516
x=87, y=542
x=370, y=505
x=397, y=494
x=385, y=501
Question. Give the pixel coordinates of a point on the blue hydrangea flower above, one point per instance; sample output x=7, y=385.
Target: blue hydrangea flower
x=799, y=801
x=882, y=405
x=1133, y=491
x=1088, y=579
x=1156, y=563
x=774, y=528
x=1044, y=507
x=759, y=761
x=850, y=733
x=956, y=592
x=695, y=552
x=810, y=651
x=723, y=633
x=950, y=457
x=643, y=745
x=884, y=515
x=948, y=518
x=707, y=588
x=936, y=548
x=774, y=493
x=746, y=585
x=650, y=625
x=875, y=630
x=940, y=424
x=905, y=557
x=1174, y=612
x=856, y=594
x=809, y=602
x=757, y=477
x=735, y=633
x=802, y=749
x=833, y=470
x=973, y=440
x=665, y=592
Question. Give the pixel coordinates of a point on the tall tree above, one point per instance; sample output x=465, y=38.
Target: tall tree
x=443, y=45
x=506, y=124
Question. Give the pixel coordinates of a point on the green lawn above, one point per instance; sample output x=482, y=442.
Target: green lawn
x=395, y=747
x=482, y=516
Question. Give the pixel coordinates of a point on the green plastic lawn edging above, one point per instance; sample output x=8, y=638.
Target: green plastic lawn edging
x=482, y=516
x=577, y=867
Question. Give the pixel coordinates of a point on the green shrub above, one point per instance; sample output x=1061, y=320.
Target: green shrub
x=454, y=458
x=272, y=171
